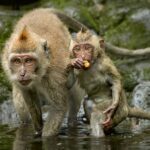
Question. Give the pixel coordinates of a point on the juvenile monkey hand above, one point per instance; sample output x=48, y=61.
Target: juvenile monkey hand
x=109, y=112
x=77, y=63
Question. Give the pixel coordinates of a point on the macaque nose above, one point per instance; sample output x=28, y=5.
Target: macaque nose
x=82, y=56
x=22, y=72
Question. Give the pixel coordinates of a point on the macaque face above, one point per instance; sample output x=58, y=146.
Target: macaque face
x=84, y=51
x=23, y=68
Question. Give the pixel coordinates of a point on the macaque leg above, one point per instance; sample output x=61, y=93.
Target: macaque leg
x=88, y=106
x=33, y=103
x=120, y=114
x=20, y=106
x=73, y=111
x=97, y=117
x=138, y=113
x=53, y=121
x=23, y=136
x=75, y=97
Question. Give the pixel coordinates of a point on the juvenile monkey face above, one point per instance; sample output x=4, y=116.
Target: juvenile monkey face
x=84, y=51
x=23, y=67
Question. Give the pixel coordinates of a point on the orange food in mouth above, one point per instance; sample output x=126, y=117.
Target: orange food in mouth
x=86, y=64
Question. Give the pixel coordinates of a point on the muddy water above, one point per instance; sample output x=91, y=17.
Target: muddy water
x=73, y=139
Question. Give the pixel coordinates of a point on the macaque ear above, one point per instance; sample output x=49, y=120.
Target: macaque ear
x=46, y=48
x=102, y=43
x=72, y=43
x=71, y=46
x=24, y=34
x=83, y=30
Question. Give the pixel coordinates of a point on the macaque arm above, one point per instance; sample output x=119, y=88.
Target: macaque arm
x=116, y=85
x=115, y=81
x=34, y=109
x=20, y=105
x=74, y=63
x=71, y=79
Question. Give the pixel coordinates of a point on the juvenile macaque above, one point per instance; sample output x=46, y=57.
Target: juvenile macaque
x=101, y=81
x=35, y=59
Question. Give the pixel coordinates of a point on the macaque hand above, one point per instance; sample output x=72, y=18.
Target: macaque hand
x=77, y=63
x=109, y=113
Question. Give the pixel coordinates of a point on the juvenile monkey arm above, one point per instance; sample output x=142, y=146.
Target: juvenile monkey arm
x=115, y=80
x=116, y=86
x=116, y=91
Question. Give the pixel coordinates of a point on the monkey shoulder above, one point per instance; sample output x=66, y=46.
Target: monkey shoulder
x=110, y=68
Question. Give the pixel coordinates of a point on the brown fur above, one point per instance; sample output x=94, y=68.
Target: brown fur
x=102, y=83
x=29, y=35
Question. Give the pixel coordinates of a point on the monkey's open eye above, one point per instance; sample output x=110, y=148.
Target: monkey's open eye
x=16, y=61
x=29, y=60
x=76, y=48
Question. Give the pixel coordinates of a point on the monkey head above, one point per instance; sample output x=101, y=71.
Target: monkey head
x=27, y=58
x=86, y=46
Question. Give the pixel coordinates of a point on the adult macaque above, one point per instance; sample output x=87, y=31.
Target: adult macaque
x=101, y=81
x=35, y=59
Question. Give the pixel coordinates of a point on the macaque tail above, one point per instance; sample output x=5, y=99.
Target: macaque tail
x=69, y=21
x=138, y=113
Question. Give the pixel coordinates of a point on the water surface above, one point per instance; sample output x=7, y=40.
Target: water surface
x=73, y=139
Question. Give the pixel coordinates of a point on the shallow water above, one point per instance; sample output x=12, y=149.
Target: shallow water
x=73, y=139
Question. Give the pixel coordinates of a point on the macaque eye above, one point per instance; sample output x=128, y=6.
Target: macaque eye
x=16, y=61
x=88, y=47
x=29, y=60
x=76, y=48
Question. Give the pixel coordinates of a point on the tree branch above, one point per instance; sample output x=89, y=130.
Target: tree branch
x=126, y=52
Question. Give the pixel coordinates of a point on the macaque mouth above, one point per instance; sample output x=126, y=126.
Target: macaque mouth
x=25, y=82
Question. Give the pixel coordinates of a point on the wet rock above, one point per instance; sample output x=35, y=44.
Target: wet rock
x=141, y=97
x=8, y=114
x=4, y=92
x=72, y=11
x=133, y=72
x=142, y=16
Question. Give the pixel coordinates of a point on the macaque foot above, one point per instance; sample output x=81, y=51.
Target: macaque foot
x=97, y=129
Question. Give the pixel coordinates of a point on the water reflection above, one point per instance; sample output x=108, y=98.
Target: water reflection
x=79, y=139
x=24, y=136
